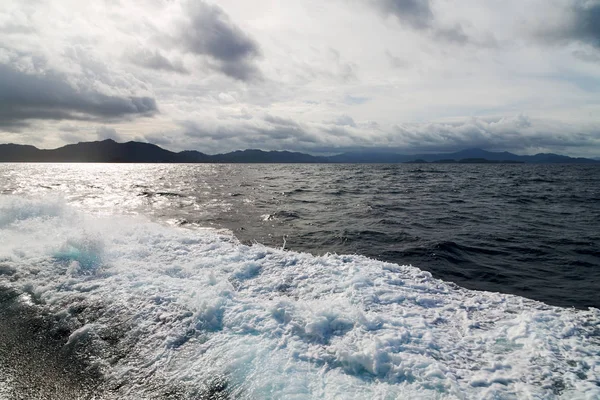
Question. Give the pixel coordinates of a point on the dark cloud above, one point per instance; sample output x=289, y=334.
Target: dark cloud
x=581, y=23
x=12, y=125
x=50, y=96
x=586, y=25
x=415, y=13
x=155, y=60
x=418, y=15
x=208, y=31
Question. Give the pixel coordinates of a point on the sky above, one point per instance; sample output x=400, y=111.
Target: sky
x=314, y=76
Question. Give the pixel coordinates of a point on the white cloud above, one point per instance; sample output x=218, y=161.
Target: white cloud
x=105, y=132
x=304, y=75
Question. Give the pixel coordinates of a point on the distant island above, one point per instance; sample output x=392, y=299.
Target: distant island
x=466, y=161
x=109, y=151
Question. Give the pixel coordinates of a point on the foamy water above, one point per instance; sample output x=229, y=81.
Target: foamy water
x=194, y=310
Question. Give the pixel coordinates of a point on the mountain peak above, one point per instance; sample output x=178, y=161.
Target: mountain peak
x=106, y=141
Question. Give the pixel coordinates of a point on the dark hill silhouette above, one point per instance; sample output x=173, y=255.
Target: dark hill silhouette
x=259, y=156
x=104, y=151
x=109, y=151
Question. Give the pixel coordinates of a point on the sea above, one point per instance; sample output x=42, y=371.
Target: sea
x=299, y=281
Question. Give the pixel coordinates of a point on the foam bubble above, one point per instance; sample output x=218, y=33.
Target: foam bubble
x=197, y=311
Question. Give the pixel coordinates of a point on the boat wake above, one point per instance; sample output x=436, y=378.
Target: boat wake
x=146, y=310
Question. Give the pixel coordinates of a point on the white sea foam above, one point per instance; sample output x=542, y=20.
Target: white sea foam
x=195, y=306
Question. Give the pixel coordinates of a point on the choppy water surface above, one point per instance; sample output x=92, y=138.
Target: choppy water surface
x=110, y=287
x=532, y=230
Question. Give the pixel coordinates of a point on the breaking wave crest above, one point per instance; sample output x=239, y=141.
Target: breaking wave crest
x=162, y=311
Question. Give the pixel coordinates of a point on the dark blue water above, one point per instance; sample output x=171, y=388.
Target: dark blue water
x=531, y=230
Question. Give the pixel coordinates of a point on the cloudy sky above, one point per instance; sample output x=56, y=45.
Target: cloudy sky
x=306, y=75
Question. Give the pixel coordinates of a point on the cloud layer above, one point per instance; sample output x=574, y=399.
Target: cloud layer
x=208, y=31
x=50, y=96
x=580, y=22
x=322, y=77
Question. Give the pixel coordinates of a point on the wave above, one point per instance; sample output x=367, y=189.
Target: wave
x=163, y=194
x=281, y=215
x=176, y=312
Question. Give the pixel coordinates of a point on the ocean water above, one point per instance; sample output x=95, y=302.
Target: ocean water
x=299, y=281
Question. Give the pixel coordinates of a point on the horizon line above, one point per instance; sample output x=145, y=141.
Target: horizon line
x=321, y=154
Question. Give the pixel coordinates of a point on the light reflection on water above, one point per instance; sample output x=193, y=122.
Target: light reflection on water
x=522, y=229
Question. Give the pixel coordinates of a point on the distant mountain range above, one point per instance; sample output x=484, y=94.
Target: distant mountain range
x=109, y=151
x=463, y=156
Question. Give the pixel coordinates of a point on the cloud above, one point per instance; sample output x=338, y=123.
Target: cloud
x=162, y=139
x=226, y=98
x=267, y=132
x=587, y=22
x=344, y=120
x=344, y=71
x=323, y=65
x=418, y=15
x=355, y=100
x=397, y=62
x=105, y=132
x=578, y=21
x=236, y=74
x=68, y=128
x=155, y=60
x=50, y=95
x=519, y=133
x=415, y=13
x=455, y=34
x=584, y=25
x=208, y=31
x=278, y=121
x=592, y=57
